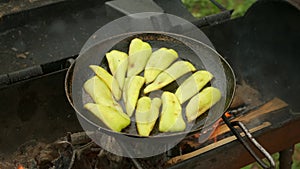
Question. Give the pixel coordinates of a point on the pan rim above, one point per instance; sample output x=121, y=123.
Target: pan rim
x=69, y=76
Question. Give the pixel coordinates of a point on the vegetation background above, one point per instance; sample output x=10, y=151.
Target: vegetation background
x=200, y=8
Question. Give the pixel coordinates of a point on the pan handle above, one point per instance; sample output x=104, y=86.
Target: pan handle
x=263, y=164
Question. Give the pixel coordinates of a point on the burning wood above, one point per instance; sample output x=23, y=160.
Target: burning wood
x=77, y=150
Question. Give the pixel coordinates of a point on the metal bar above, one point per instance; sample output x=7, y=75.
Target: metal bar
x=285, y=158
x=213, y=19
x=58, y=64
x=217, y=4
x=25, y=73
x=34, y=71
x=257, y=146
x=233, y=155
x=252, y=140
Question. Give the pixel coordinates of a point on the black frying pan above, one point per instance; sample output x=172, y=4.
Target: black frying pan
x=202, y=57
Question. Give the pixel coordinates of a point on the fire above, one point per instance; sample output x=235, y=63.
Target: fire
x=20, y=167
x=227, y=114
x=216, y=125
x=215, y=133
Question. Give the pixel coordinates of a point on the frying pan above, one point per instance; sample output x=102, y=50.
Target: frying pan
x=199, y=54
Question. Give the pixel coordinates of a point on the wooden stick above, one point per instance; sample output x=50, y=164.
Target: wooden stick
x=213, y=145
x=272, y=105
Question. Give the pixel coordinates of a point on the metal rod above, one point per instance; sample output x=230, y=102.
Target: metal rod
x=253, y=141
x=285, y=158
x=213, y=19
x=217, y=4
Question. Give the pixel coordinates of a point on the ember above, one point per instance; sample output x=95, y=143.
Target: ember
x=20, y=167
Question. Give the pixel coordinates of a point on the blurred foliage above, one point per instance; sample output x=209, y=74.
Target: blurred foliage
x=200, y=8
x=296, y=157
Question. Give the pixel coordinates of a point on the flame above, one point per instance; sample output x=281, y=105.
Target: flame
x=215, y=133
x=216, y=125
x=227, y=114
x=20, y=167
